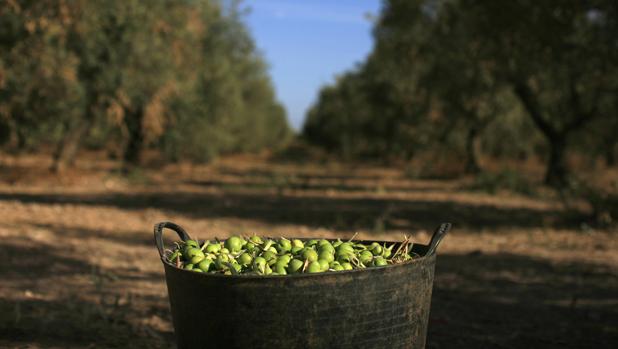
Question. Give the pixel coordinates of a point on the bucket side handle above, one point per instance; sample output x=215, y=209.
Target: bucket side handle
x=158, y=234
x=437, y=237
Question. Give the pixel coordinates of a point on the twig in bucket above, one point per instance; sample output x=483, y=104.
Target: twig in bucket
x=232, y=269
x=402, y=250
x=353, y=236
x=305, y=265
x=405, y=240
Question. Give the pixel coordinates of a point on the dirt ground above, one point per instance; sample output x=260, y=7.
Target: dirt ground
x=79, y=270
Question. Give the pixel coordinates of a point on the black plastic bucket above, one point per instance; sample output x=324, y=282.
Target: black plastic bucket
x=378, y=307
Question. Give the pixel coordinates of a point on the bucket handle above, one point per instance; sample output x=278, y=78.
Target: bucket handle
x=158, y=234
x=437, y=237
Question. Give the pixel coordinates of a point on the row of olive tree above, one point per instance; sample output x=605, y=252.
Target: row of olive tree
x=451, y=72
x=182, y=76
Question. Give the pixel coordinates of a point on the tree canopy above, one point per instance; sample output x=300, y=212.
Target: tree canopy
x=183, y=77
x=444, y=71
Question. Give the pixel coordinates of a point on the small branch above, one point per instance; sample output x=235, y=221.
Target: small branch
x=353, y=236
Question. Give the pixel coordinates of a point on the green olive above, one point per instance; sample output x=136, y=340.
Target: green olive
x=328, y=256
x=188, y=266
x=314, y=267
x=345, y=247
x=310, y=255
x=205, y=244
x=365, y=257
x=221, y=261
x=297, y=243
x=267, y=244
x=326, y=248
x=386, y=252
x=323, y=242
x=269, y=255
x=337, y=243
x=379, y=261
x=197, y=270
x=311, y=242
x=259, y=264
x=233, y=243
x=284, y=245
x=256, y=240
x=338, y=267
x=213, y=248
x=323, y=264
x=197, y=259
x=224, y=251
x=236, y=266
x=295, y=266
x=347, y=266
x=192, y=252
x=280, y=263
x=245, y=259
x=296, y=249
x=280, y=271
x=285, y=259
x=376, y=249
x=205, y=265
x=279, y=268
x=344, y=257
x=191, y=243
x=250, y=246
x=210, y=256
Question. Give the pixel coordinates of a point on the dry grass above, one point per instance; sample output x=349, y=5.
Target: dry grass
x=79, y=268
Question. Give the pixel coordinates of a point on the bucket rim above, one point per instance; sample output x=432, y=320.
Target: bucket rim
x=426, y=253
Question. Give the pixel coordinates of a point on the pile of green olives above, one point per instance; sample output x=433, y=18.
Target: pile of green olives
x=264, y=256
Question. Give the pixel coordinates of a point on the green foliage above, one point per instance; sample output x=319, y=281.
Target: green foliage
x=525, y=77
x=184, y=77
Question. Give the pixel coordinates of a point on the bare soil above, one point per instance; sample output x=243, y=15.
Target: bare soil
x=79, y=270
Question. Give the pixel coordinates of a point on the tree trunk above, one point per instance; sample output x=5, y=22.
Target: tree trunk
x=556, y=174
x=556, y=168
x=133, y=151
x=472, y=165
x=67, y=148
x=75, y=132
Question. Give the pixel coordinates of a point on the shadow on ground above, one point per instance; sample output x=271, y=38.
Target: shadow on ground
x=52, y=297
x=125, y=237
x=510, y=301
x=71, y=323
x=315, y=211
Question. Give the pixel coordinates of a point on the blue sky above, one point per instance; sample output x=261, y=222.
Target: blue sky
x=308, y=42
